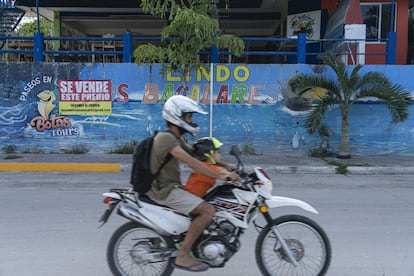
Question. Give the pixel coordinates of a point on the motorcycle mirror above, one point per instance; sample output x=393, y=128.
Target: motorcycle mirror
x=235, y=150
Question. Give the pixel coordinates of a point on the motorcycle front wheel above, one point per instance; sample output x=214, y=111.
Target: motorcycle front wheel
x=135, y=250
x=308, y=244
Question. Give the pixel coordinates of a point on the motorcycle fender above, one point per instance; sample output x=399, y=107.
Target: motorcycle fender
x=113, y=195
x=280, y=201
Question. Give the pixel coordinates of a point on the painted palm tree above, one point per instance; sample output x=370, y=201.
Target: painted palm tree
x=349, y=87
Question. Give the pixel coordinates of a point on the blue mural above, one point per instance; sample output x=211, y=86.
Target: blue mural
x=54, y=106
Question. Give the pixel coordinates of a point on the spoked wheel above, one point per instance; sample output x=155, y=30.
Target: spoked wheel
x=308, y=244
x=135, y=250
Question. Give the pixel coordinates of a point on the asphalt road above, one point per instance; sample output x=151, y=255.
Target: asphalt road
x=48, y=223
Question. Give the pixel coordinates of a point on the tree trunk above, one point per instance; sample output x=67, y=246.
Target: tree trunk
x=344, y=147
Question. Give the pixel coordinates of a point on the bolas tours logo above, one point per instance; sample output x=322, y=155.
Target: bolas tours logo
x=47, y=119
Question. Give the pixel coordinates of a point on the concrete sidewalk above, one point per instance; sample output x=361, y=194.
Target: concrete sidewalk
x=275, y=163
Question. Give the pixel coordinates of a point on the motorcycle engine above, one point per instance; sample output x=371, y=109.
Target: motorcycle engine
x=214, y=247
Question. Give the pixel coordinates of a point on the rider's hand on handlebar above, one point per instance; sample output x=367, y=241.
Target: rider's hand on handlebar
x=231, y=176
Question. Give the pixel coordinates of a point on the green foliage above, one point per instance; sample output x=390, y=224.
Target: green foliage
x=9, y=149
x=227, y=41
x=169, y=8
x=29, y=28
x=149, y=53
x=76, y=149
x=341, y=168
x=192, y=28
x=13, y=156
x=323, y=131
x=321, y=153
x=127, y=148
x=344, y=90
x=34, y=151
x=247, y=149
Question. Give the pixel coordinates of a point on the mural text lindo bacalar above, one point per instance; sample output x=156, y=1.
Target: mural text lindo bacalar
x=237, y=93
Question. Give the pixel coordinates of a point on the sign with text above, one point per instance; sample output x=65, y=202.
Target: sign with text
x=307, y=22
x=79, y=97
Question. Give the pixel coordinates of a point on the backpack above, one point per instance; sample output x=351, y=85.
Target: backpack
x=141, y=176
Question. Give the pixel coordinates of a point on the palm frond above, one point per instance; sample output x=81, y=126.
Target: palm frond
x=374, y=79
x=300, y=84
x=395, y=98
x=340, y=69
x=355, y=79
x=314, y=119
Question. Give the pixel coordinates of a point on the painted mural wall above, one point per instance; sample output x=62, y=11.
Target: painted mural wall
x=55, y=106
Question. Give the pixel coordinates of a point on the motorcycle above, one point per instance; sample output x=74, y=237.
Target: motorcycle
x=148, y=243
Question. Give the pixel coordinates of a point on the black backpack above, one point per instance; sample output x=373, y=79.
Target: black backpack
x=141, y=176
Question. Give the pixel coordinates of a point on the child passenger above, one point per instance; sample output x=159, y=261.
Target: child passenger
x=206, y=149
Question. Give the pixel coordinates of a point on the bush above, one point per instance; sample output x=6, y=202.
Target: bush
x=9, y=149
x=77, y=149
x=127, y=148
x=13, y=156
x=321, y=153
x=247, y=149
x=34, y=151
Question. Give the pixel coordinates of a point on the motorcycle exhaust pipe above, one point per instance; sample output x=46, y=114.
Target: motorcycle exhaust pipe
x=133, y=214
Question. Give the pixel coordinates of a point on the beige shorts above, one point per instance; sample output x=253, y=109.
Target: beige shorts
x=181, y=201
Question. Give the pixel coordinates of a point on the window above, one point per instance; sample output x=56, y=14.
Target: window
x=377, y=18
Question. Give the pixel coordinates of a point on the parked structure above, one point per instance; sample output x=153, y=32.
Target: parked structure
x=92, y=101
x=280, y=19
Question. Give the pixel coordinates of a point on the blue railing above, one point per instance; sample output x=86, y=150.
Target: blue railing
x=83, y=52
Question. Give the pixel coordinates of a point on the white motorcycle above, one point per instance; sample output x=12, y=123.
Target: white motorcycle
x=148, y=243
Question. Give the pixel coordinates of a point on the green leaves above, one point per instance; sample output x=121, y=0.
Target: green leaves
x=29, y=28
x=231, y=43
x=149, y=53
x=192, y=28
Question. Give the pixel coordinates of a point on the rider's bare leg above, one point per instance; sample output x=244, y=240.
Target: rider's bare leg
x=204, y=213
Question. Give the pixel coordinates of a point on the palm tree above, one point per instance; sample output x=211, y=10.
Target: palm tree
x=344, y=91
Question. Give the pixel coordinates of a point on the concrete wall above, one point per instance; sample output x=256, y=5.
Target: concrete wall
x=55, y=106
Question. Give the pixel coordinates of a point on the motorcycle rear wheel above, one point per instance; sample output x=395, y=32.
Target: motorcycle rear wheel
x=307, y=241
x=135, y=250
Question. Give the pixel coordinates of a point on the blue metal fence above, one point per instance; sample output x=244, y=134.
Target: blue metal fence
x=297, y=52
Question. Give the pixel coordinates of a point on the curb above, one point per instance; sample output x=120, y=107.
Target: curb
x=301, y=169
x=60, y=167
x=116, y=167
x=380, y=170
x=332, y=170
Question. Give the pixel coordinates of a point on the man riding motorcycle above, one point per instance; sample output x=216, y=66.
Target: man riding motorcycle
x=167, y=189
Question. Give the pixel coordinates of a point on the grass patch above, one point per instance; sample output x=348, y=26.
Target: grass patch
x=341, y=168
x=13, y=156
x=321, y=153
x=127, y=148
x=33, y=151
x=77, y=149
x=7, y=149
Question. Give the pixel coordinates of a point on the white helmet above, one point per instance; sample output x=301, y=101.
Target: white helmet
x=175, y=108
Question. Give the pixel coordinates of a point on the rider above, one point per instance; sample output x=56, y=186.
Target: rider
x=207, y=150
x=167, y=189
